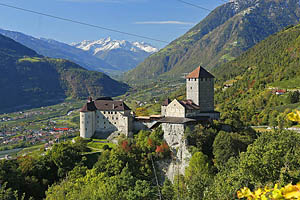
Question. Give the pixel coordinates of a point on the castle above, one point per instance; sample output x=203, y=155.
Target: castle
x=104, y=116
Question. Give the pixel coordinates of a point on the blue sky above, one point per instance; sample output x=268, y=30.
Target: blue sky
x=161, y=19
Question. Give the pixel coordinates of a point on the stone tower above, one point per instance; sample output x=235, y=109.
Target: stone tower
x=87, y=119
x=200, y=89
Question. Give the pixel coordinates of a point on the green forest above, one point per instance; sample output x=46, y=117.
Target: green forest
x=224, y=159
x=257, y=75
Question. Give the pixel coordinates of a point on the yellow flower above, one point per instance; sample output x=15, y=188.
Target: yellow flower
x=294, y=116
x=292, y=191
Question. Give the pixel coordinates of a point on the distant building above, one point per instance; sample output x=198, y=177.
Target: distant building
x=279, y=91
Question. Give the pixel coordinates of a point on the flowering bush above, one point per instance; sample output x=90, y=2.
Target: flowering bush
x=288, y=192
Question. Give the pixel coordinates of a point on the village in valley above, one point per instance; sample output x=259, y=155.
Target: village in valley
x=40, y=127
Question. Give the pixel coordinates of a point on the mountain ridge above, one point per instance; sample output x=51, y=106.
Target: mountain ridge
x=223, y=35
x=30, y=80
x=55, y=49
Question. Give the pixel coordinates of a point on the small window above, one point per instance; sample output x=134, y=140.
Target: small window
x=112, y=118
x=194, y=79
x=116, y=118
x=85, y=129
x=97, y=117
x=103, y=122
x=191, y=88
x=104, y=127
x=115, y=122
x=103, y=112
x=103, y=117
x=189, y=79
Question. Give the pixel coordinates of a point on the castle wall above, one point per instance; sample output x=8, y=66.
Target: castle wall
x=106, y=121
x=206, y=86
x=163, y=110
x=175, y=109
x=192, y=90
x=139, y=125
x=87, y=124
x=111, y=121
x=198, y=113
x=123, y=125
x=201, y=91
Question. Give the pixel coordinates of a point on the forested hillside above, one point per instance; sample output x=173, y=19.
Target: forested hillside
x=30, y=80
x=222, y=36
x=256, y=75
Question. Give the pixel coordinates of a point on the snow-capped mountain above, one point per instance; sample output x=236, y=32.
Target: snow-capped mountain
x=119, y=53
x=107, y=44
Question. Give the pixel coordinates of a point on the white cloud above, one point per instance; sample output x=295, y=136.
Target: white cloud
x=166, y=22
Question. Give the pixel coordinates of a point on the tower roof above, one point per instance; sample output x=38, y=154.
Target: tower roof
x=200, y=72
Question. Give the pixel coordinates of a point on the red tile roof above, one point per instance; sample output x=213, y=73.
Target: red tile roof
x=200, y=72
x=189, y=105
x=166, y=102
x=88, y=107
x=111, y=105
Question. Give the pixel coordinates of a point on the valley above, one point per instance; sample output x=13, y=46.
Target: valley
x=45, y=125
x=215, y=114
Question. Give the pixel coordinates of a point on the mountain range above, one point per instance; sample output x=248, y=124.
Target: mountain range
x=30, y=80
x=108, y=56
x=55, y=49
x=223, y=35
x=121, y=54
